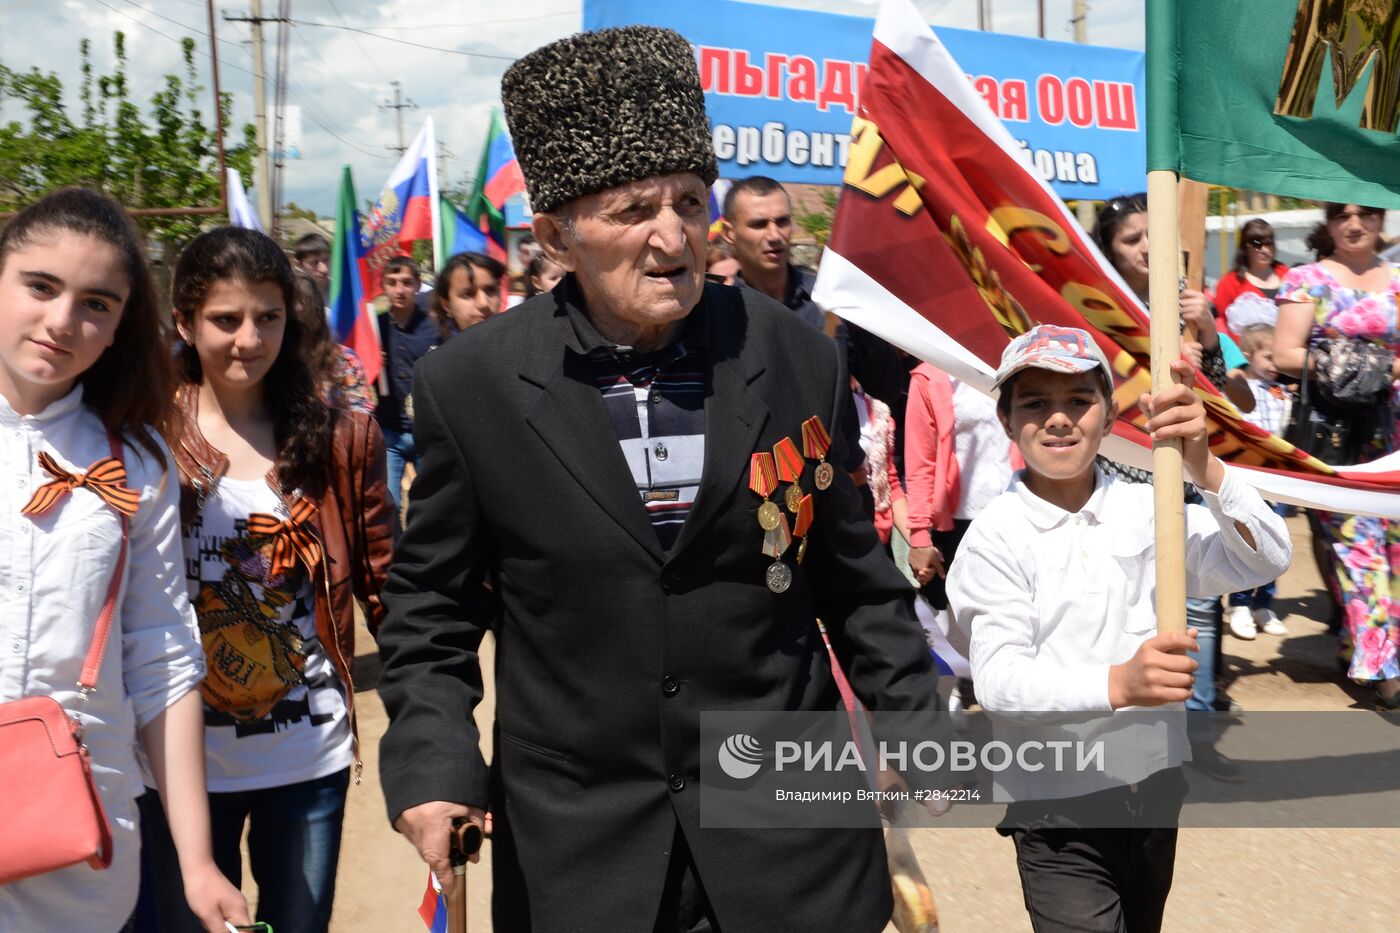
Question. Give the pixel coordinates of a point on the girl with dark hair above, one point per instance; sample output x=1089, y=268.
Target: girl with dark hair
x=454, y=304
x=542, y=275
x=1339, y=318
x=287, y=521
x=83, y=380
x=1256, y=270
x=334, y=366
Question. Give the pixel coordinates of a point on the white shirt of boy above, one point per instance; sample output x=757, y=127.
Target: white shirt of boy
x=1046, y=601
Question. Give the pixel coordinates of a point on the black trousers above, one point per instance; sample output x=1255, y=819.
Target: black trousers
x=1099, y=880
x=1095, y=880
x=685, y=908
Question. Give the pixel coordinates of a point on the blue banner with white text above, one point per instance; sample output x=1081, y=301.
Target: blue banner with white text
x=781, y=87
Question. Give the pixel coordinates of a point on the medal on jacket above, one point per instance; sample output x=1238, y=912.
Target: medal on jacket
x=790, y=465
x=815, y=443
x=775, y=545
x=803, y=524
x=763, y=480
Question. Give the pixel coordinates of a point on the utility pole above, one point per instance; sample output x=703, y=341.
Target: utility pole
x=1040, y=18
x=443, y=154
x=399, y=106
x=1086, y=211
x=262, y=174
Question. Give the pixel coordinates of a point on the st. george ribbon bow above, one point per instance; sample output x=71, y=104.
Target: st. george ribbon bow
x=292, y=538
x=106, y=477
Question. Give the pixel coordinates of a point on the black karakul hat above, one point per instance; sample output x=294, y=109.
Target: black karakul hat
x=600, y=109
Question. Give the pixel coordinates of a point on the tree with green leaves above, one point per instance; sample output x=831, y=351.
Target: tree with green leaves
x=165, y=157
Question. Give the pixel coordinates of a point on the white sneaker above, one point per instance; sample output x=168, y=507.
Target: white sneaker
x=1242, y=623
x=1269, y=622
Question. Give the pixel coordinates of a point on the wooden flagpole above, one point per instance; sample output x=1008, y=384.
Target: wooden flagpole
x=1162, y=294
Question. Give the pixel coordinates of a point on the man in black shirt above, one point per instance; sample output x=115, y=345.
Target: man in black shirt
x=406, y=334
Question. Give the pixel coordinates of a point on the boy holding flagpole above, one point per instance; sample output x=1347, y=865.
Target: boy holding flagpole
x=1054, y=587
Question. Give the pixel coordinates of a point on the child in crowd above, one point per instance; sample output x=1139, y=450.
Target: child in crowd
x=1253, y=610
x=1054, y=587
x=335, y=366
x=286, y=523
x=84, y=377
x=542, y=275
x=957, y=458
x=457, y=303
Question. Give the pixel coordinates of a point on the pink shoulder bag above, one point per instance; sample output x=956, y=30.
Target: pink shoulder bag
x=52, y=815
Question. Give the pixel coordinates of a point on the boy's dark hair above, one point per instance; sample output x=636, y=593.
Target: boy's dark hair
x=131, y=386
x=757, y=185
x=1004, y=395
x=400, y=263
x=301, y=420
x=492, y=267
x=310, y=245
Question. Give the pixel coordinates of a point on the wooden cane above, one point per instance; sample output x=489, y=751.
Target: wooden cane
x=464, y=842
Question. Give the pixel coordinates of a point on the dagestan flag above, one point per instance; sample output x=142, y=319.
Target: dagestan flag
x=1292, y=97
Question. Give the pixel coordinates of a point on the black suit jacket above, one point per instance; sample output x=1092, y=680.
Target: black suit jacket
x=522, y=485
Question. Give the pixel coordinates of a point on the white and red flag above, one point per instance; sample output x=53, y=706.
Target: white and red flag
x=947, y=245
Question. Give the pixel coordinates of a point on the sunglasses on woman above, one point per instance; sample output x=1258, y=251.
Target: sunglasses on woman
x=1259, y=242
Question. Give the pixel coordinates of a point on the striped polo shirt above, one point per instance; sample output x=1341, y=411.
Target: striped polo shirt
x=656, y=403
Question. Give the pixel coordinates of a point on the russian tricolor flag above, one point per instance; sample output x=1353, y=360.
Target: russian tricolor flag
x=433, y=910
x=352, y=318
x=407, y=209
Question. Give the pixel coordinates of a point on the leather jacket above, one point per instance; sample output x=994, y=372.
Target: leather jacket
x=353, y=522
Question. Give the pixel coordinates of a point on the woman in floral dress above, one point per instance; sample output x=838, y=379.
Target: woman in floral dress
x=1348, y=299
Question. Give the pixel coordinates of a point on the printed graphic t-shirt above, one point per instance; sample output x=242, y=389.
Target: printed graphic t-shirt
x=274, y=707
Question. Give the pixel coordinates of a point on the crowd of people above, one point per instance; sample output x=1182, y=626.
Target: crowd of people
x=647, y=479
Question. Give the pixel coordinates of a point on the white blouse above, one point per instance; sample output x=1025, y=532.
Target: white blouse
x=55, y=569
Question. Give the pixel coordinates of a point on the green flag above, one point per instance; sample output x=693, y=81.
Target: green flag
x=1290, y=97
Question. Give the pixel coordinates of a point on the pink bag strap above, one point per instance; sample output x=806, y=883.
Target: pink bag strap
x=87, y=681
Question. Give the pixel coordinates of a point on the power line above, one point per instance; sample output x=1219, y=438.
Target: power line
x=336, y=11
x=305, y=109
x=484, y=22
x=417, y=45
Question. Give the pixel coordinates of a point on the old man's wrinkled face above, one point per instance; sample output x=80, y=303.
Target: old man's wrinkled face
x=638, y=250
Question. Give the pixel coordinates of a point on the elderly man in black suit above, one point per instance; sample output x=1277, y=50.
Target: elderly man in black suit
x=630, y=480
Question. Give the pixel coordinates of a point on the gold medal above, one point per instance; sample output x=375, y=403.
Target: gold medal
x=778, y=577
x=824, y=475
x=802, y=550
x=793, y=497
x=763, y=480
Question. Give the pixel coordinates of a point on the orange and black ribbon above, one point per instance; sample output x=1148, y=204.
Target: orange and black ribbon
x=292, y=538
x=763, y=474
x=815, y=441
x=788, y=459
x=106, y=477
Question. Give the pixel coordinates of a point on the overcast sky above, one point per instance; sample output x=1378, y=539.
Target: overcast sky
x=340, y=77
